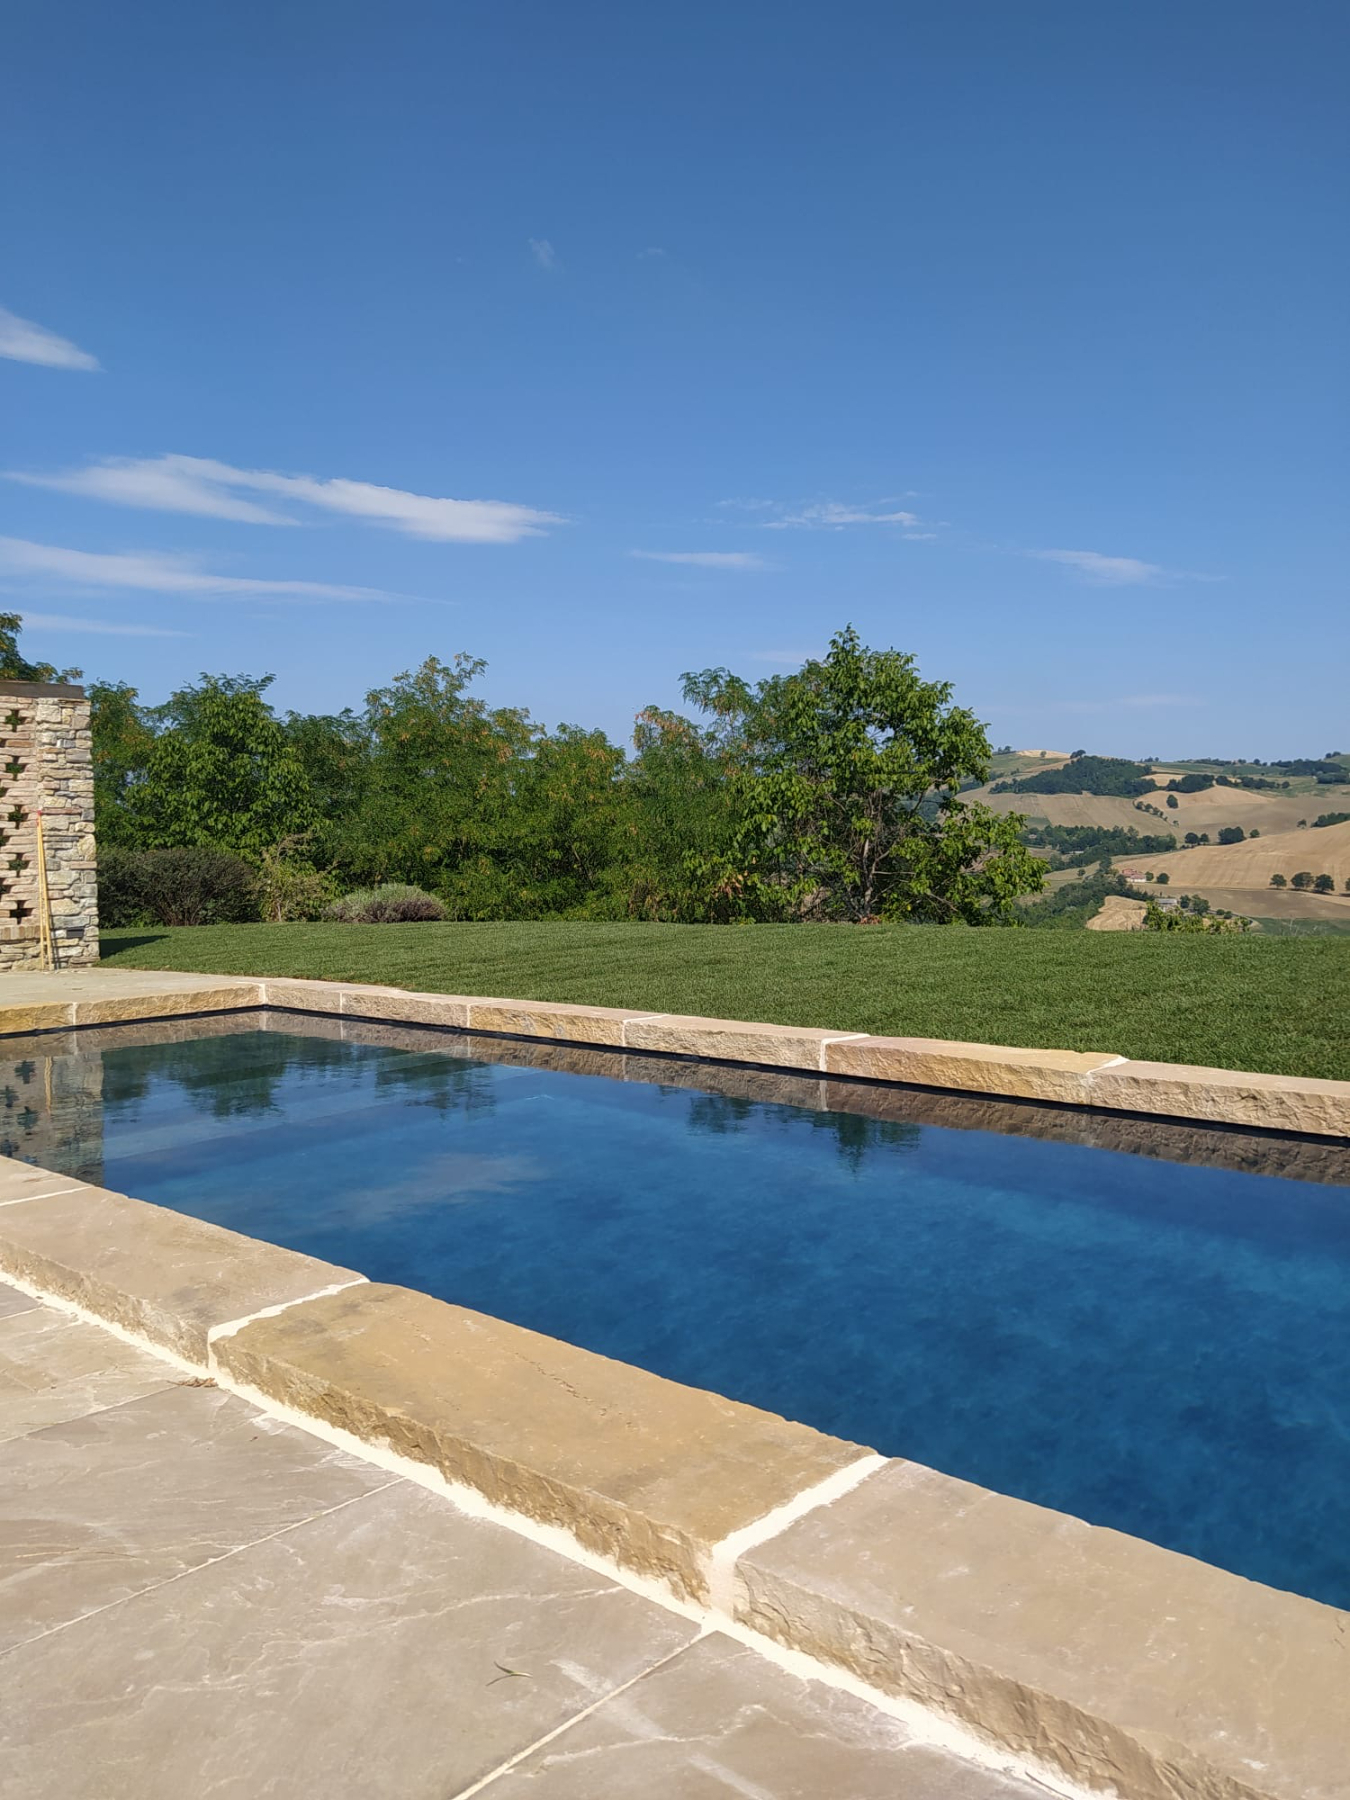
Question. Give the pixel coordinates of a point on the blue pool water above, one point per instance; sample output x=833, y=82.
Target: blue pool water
x=1155, y=1346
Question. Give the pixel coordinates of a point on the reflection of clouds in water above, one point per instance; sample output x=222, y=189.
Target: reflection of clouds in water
x=446, y=1178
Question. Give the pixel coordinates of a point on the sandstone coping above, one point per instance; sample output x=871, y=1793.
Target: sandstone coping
x=1132, y=1669
x=369, y=1001
x=1225, y=1096
x=644, y=1471
x=545, y=1019
x=160, y=1275
x=1055, y=1075
x=107, y=1009
x=732, y=1040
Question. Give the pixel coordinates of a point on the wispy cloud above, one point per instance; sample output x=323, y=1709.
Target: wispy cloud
x=1104, y=571
x=153, y=572
x=824, y=515
x=195, y=484
x=103, y=627
x=653, y=253
x=1117, y=571
x=705, y=559
x=23, y=341
x=544, y=254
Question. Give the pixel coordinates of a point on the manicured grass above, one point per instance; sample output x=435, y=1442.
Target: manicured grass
x=1277, y=1005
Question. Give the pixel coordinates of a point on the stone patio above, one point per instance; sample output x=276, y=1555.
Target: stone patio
x=197, y=1599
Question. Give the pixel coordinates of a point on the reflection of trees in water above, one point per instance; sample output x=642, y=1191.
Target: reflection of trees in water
x=233, y=1076
x=723, y=1114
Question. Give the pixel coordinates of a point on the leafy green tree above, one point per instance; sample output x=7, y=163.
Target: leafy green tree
x=1164, y=878
x=567, y=841
x=1278, y=881
x=1172, y=800
x=846, y=780
x=15, y=666
x=680, y=822
x=440, y=786
x=221, y=771
x=1303, y=879
x=1231, y=834
x=123, y=738
x=1324, y=885
x=334, y=750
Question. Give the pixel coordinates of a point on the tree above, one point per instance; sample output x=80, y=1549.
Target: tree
x=123, y=738
x=846, y=778
x=1324, y=885
x=1278, y=881
x=1164, y=878
x=221, y=771
x=1173, y=801
x=1303, y=879
x=1192, y=838
x=14, y=666
x=1231, y=834
x=681, y=820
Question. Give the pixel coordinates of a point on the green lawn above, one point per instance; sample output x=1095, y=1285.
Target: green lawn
x=1280, y=1005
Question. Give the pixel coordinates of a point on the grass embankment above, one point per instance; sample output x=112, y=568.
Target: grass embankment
x=1277, y=1005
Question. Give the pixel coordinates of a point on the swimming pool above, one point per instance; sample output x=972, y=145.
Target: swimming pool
x=1155, y=1344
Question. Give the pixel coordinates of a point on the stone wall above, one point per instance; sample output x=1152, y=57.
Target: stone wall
x=46, y=765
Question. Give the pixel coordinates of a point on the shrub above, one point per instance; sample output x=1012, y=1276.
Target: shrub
x=1155, y=919
x=290, y=887
x=391, y=904
x=199, y=886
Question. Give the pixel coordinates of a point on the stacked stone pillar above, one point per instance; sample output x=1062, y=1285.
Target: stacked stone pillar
x=46, y=765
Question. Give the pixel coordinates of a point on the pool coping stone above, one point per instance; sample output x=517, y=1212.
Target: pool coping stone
x=643, y=1471
x=1123, y=1665
x=158, y=1275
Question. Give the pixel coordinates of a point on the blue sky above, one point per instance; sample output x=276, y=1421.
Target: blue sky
x=606, y=341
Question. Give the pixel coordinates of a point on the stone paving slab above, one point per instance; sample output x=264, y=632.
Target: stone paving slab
x=54, y=1367
x=353, y=1657
x=157, y=1273
x=12, y=1301
x=642, y=1470
x=1126, y=1665
x=105, y=1506
x=718, y=1721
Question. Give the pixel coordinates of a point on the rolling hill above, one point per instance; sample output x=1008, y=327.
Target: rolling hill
x=1249, y=865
